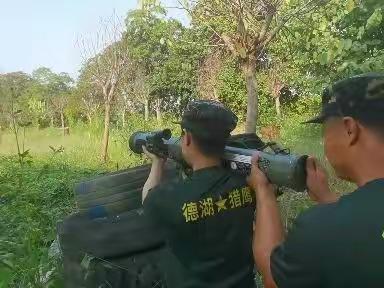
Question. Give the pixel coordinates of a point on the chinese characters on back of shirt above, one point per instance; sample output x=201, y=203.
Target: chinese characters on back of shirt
x=208, y=207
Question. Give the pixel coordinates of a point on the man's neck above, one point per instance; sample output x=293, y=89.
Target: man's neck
x=369, y=176
x=369, y=169
x=369, y=164
x=205, y=162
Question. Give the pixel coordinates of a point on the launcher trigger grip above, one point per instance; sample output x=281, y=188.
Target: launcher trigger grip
x=264, y=164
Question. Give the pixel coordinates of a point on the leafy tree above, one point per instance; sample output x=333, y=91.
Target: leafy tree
x=232, y=92
x=60, y=90
x=136, y=88
x=41, y=93
x=176, y=80
x=90, y=98
x=343, y=38
x=36, y=102
x=339, y=39
x=246, y=28
x=13, y=88
x=151, y=38
x=209, y=70
x=131, y=91
x=54, y=89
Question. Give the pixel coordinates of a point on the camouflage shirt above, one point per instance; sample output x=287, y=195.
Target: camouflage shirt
x=208, y=220
x=339, y=245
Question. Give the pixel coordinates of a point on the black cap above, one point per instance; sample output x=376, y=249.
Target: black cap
x=208, y=119
x=360, y=97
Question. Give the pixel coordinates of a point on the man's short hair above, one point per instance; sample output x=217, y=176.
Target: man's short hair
x=375, y=126
x=210, y=147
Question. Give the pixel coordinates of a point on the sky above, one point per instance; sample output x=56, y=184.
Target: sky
x=37, y=33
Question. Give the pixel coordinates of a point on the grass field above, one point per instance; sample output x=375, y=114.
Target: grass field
x=34, y=197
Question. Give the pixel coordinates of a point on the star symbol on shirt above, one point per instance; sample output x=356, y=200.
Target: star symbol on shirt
x=221, y=205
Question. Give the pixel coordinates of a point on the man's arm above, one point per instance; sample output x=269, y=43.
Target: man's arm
x=268, y=232
x=156, y=174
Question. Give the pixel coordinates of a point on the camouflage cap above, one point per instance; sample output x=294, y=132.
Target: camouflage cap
x=208, y=119
x=360, y=97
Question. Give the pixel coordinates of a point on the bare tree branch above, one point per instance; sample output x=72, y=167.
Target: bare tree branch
x=106, y=58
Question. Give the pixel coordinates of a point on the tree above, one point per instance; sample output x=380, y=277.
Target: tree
x=89, y=96
x=151, y=38
x=247, y=28
x=139, y=90
x=276, y=85
x=55, y=89
x=131, y=91
x=41, y=93
x=107, y=67
x=60, y=89
x=36, y=102
x=13, y=88
x=176, y=80
x=341, y=39
x=208, y=74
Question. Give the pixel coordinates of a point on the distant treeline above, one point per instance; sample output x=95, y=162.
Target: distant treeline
x=264, y=59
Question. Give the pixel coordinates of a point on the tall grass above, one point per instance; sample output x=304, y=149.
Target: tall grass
x=29, y=213
x=34, y=197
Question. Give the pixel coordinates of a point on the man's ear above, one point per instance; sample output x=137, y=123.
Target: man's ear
x=188, y=139
x=352, y=129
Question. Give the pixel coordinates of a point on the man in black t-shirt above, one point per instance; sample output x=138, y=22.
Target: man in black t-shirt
x=340, y=242
x=207, y=217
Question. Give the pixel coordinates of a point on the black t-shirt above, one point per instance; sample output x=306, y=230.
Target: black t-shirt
x=336, y=245
x=208, y=223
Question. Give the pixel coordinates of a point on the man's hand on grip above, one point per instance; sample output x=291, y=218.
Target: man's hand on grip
x=317, y=183
x=154, y=158
x=259, y=182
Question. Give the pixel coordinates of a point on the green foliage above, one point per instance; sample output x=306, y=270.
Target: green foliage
x=232, y=92
x=349, y=39
x=40, y=95
x=29, y=215
x=167, y=53
x=52, y=85
x=87, y=100
x=13, y=89
x=176, y=80
x=29, y=212
x=231, y=89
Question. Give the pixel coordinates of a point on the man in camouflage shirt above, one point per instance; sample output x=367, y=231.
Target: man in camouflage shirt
x=339, y=242
x=207, y=218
